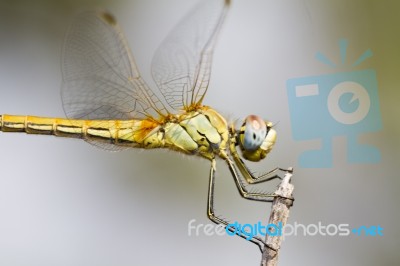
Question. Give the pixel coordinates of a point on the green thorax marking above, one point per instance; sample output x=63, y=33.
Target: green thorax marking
x=197, y=132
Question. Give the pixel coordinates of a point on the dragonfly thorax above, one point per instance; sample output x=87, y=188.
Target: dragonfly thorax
x=202, y=132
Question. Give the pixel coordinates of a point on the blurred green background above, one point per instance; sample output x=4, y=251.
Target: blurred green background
x=64, y=202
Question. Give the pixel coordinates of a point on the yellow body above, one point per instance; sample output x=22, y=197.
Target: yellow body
x=202, y=132
x=103, y=87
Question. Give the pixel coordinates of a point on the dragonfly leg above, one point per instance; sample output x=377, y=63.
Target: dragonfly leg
x=262, y=196
x=265, y=177
x=211, y=215
x=245, y=171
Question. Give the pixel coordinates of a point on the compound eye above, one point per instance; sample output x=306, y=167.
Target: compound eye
x=255, y=131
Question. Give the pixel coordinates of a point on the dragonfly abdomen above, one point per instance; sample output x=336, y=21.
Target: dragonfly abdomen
x=134, y=133
x=38, y=125
x=202, y=132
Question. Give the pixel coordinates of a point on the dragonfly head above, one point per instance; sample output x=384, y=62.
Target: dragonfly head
x=256, y=138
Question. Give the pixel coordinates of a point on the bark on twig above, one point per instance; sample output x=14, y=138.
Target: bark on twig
x=279, y=214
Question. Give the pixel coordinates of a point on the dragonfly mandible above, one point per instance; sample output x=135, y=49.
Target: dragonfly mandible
x=108, y=104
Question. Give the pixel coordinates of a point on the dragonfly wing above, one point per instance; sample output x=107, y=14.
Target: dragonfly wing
x=181, y=66
x=100, y=78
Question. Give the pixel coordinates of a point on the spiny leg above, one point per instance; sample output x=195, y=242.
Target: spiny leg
x=211, y=215
x=247, y=174
x=265, y=177
x=266, y=197
x=249, y=177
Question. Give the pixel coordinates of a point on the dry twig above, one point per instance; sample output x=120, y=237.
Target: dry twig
x=279, y=214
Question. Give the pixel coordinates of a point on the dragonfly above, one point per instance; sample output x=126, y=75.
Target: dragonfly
x=108, y=104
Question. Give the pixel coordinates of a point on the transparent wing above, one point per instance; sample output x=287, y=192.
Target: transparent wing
x=100, y=78
x=181, y=66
